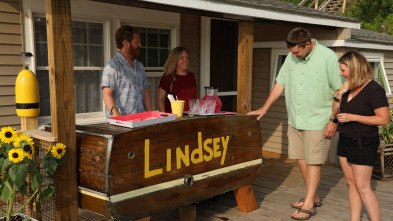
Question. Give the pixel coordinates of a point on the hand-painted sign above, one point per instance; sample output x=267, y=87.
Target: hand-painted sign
x=206, y=151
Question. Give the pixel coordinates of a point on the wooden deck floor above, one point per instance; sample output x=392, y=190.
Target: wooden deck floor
x=279, y=185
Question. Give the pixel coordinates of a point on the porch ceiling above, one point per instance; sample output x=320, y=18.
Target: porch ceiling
x=246, y=10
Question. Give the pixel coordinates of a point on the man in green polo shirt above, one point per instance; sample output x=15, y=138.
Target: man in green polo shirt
x=310, y=76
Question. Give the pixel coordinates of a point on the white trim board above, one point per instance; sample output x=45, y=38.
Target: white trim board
x=167, y=185
x=257, y=13
x=205, y=55
x=330, y=43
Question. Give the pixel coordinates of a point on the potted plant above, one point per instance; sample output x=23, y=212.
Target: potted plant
x=386, y=132
x=17, y=163
x=383, y=166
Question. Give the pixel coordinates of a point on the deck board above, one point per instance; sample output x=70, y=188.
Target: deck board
x=279, y=185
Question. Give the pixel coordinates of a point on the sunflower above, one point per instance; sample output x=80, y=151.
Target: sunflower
x=16, y=155
x=28, y=151
x=8, y=134
x=23, y=140
x=58, y=151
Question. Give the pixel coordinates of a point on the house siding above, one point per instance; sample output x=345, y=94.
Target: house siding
x=275, y=123
x=10, y=62
x=388, y=64
x=190, y=38
x=274, y=32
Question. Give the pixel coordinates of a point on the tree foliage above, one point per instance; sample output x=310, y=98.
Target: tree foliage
x=376, y=15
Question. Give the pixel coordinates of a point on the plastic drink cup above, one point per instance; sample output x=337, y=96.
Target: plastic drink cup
x=177, y=107
x=210, y=106
x=202, y=109
x=194, y=105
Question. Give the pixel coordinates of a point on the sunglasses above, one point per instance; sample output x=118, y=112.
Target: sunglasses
x=293, y=44
x=128, y=29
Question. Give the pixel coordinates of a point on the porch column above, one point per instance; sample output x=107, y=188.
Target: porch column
x=245, y=195
x=244, y=66
x=61, y=78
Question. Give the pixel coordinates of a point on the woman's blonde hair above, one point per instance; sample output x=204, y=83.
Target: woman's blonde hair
x=359, y=68
x=170, y=64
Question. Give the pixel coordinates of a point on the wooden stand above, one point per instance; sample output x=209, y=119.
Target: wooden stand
x=147, y=170
x=187, y=213
x=245, y=199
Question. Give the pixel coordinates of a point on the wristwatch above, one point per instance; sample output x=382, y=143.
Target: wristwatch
x=336, y=99
x=334, y=120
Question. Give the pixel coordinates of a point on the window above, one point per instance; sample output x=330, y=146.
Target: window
x=380, y=74
x=278, y=57
x=156, y=46
x=376, y=62
x=88, y=58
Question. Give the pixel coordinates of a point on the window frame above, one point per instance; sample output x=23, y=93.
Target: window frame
x=379, y=57
x=275, y=52
x=175, y=36
x=81, y=118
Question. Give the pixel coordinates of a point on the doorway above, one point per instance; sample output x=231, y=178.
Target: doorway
x=223, y=61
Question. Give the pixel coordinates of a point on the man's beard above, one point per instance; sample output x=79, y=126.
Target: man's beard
x=135, y=53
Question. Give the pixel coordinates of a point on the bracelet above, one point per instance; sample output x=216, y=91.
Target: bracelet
x=336, y=99
x=112, y=109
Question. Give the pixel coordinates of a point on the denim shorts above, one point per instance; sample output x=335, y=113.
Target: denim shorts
x=356, y=153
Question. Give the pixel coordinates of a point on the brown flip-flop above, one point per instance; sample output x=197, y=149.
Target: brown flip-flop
x=310, y=214
x=316, y=204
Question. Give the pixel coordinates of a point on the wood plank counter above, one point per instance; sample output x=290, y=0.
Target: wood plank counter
x=129, y=173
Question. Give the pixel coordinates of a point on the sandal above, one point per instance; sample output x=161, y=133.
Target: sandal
x=310, y=214
x=316, y=204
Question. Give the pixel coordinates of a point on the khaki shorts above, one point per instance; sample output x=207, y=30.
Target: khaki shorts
x=310, y=145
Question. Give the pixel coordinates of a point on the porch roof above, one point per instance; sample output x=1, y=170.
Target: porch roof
x=264, y=9
x=371, y=37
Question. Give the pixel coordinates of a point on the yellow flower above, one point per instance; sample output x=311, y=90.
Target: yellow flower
x=8, y=134
x=391, y=101
x=16, y=155
x=48, y=151
x=58, y=151
x=22, y=140
x=28, y=151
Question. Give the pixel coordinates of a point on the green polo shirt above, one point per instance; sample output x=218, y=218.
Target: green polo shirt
x=309, y=87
